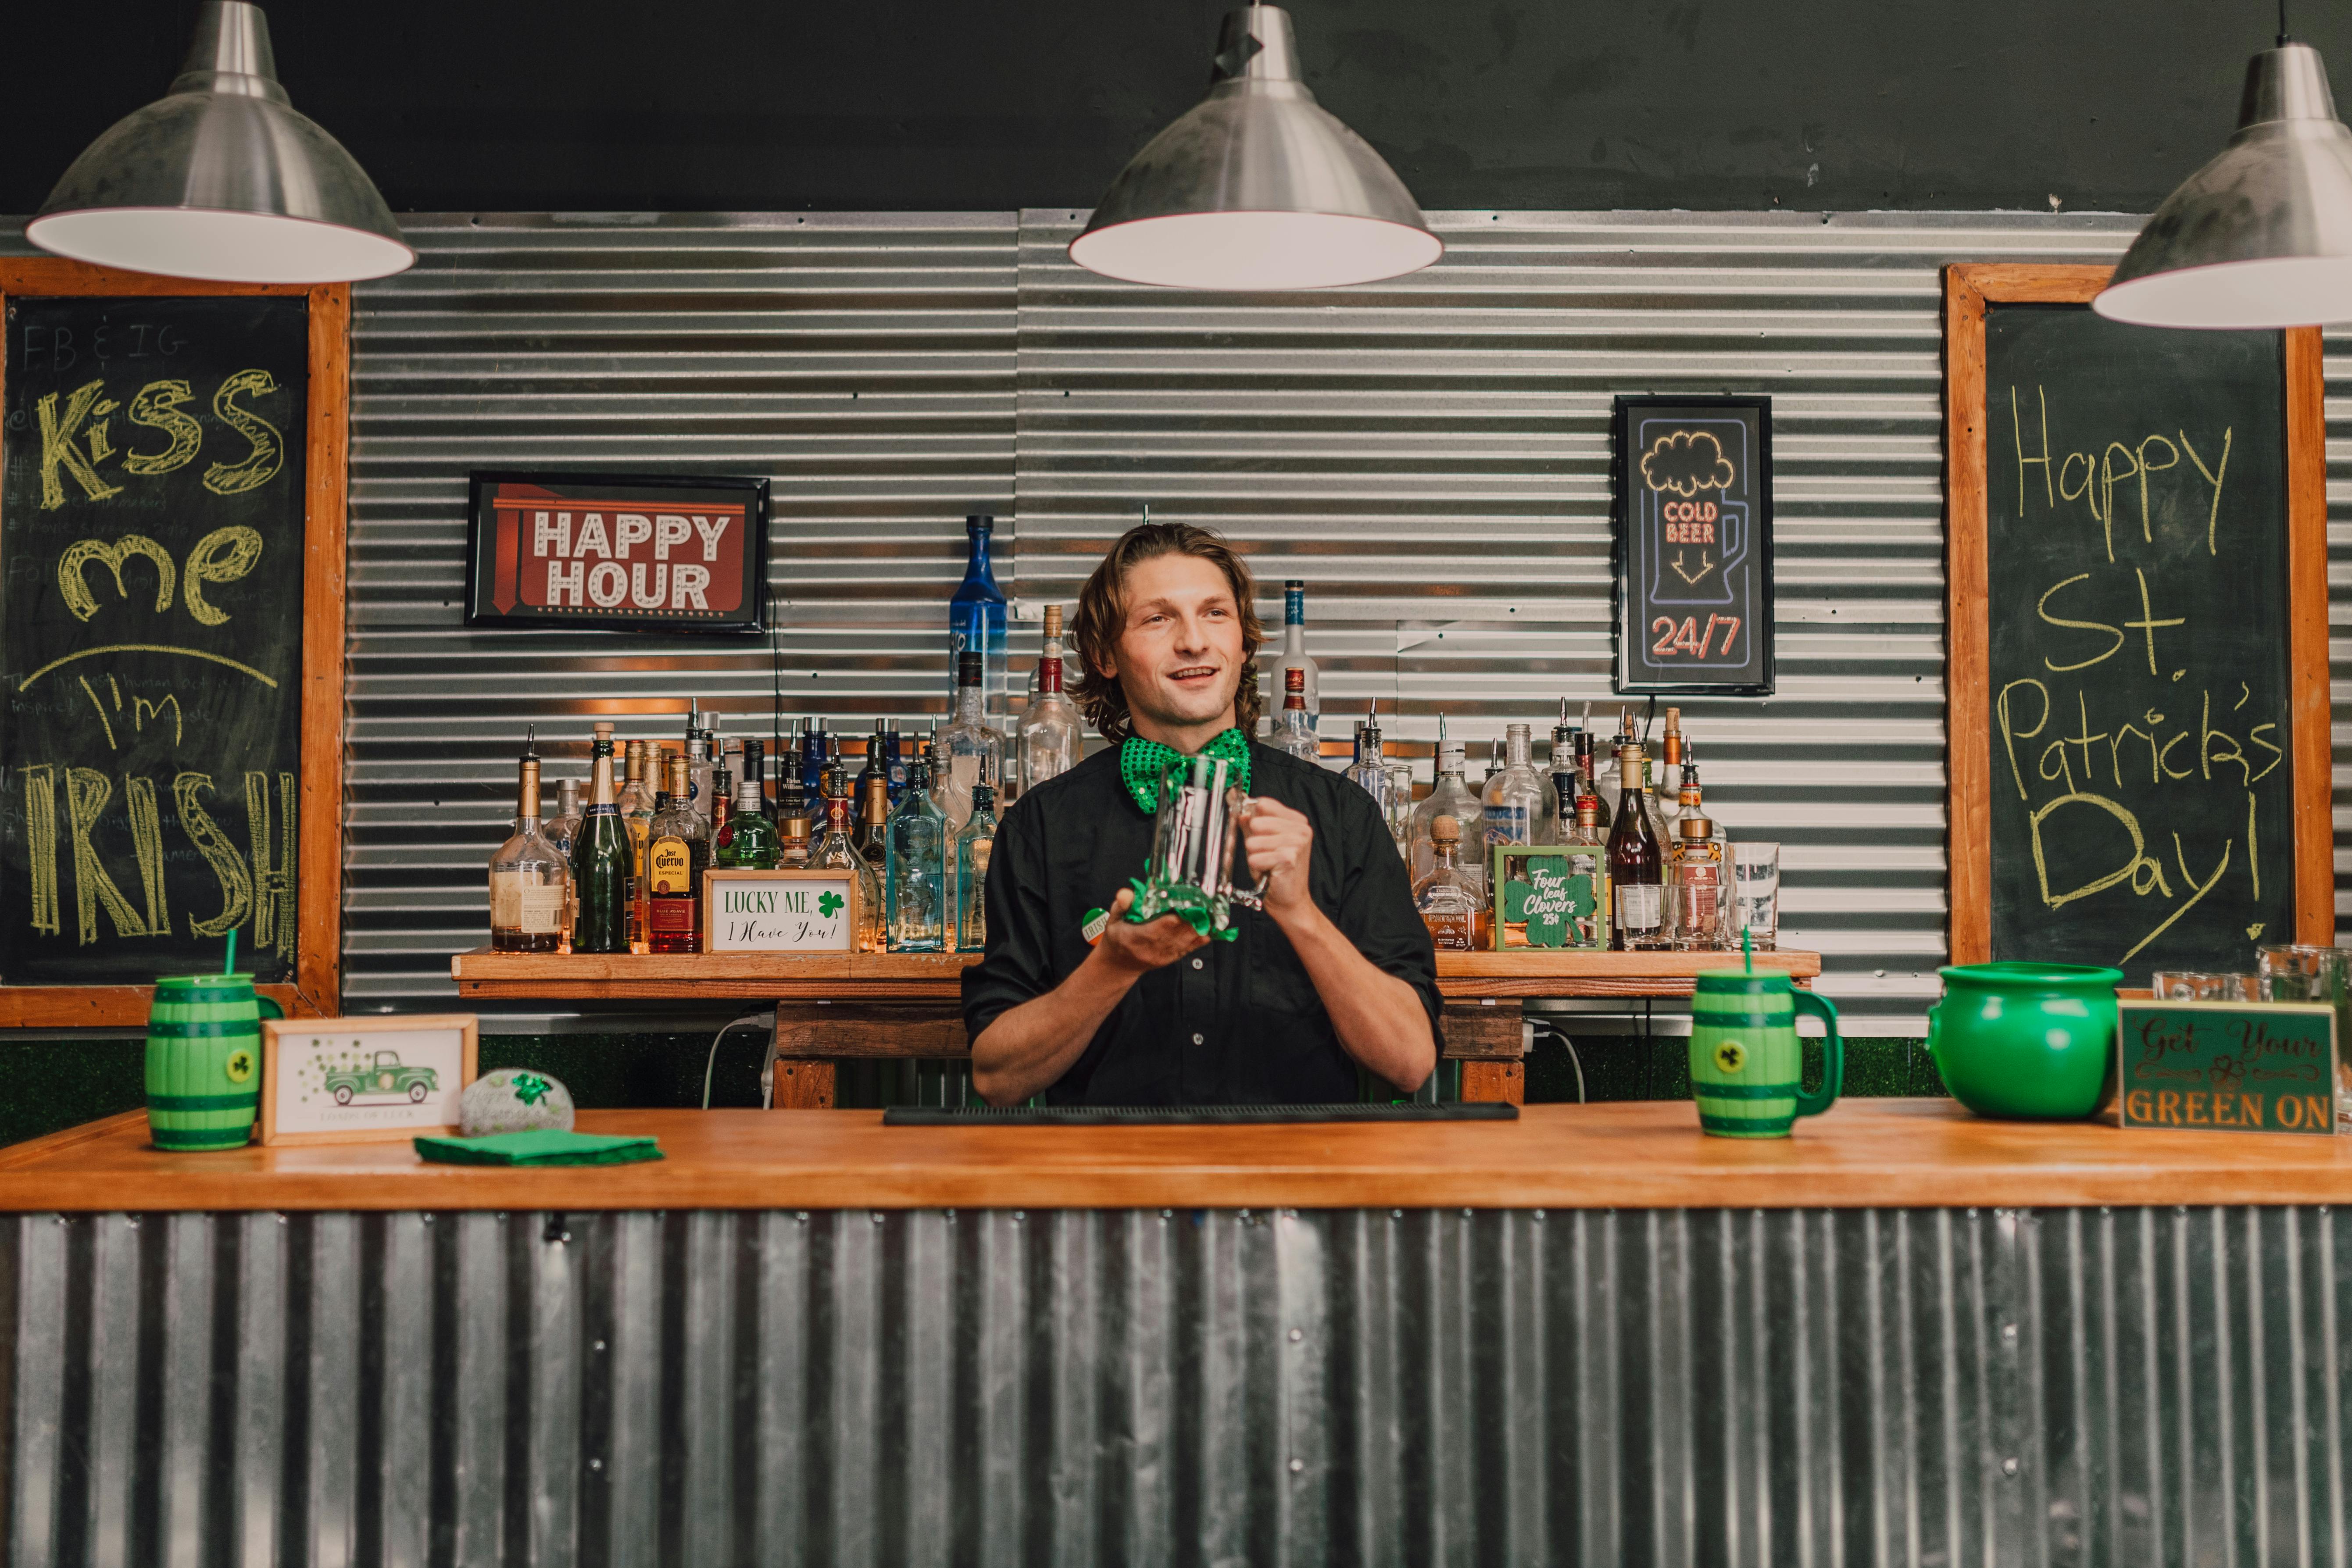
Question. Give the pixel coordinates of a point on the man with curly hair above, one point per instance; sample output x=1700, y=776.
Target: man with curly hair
x=1336, y=973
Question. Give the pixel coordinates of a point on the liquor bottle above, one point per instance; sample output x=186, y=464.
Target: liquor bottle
x=837, y=852
x=1565, y=785
x=1636, y=865
x=1370, y=770
x=1449, y=899
x=1667, y=777
x=528, y=878
x=1046, y=744
x=676, y=857
x=601, y=859
x=702, y=759
x=1294, y=728
x=636, y=802
x=1607, y=785
x=720, y=786
x=873, y=823
x=816, y=755
x=973, y=843
x=1587, y=853
x=1697, y=885
x=1588, y=782
x=1449, y=796
x=976, y=624
x=1294, y=652
x=562, y=828
x=969, y=752
x=881, y=752
x=1519, y=801
x=793, y=844
x=914, y=873
x=752, y=842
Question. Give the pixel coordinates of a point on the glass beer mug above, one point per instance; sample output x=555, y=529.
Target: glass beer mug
x=1195, y=840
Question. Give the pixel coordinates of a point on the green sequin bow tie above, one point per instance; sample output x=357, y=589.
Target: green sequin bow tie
x=1139, y=762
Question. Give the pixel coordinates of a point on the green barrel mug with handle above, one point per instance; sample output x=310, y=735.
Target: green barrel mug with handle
x=204, y=1060
x=1745, y=1061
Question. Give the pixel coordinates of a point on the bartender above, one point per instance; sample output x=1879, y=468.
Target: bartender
x=1336, y=974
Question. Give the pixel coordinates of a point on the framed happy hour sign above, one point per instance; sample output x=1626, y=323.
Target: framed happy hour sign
x=616, y=551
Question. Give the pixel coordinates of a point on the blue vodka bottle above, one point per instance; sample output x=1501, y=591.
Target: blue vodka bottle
x=976, y=620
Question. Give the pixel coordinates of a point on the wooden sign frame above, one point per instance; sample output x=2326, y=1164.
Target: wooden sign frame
x=317, y=989
x=1968, y=630
x=273, y=1059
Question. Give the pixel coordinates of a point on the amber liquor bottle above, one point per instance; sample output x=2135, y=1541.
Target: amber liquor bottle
x=1636, y=864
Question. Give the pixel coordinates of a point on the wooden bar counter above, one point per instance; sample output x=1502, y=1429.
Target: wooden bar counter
x=1864, y=1153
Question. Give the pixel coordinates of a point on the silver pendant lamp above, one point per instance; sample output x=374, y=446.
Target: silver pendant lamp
x=220, y=179
x=2261, y=236
x=1258, y=186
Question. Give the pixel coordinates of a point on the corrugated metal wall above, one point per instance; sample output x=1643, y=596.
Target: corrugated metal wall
x=1430, y=455
x=2143, y=1387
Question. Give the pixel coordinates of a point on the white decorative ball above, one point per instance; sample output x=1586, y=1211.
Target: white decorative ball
x=511, y=1100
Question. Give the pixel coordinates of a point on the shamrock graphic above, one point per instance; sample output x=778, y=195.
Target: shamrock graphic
x=529, y=1088
x=1729, y=1056
x=239, y=1066
x=829, y=904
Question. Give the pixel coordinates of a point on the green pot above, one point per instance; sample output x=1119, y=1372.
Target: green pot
x=2032, y=1041
x=1745, y=1059
x=204, y=1060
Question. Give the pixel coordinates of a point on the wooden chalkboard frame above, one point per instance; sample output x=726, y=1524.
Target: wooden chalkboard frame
x=1969, y=288
x=318, y=897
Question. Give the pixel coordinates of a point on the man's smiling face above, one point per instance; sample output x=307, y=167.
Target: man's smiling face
x=1179, y=657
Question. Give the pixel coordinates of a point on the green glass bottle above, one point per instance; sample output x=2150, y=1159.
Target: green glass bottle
x=603, y=860
x=752, y=842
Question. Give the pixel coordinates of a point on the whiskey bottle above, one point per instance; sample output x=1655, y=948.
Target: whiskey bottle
x=1448, y=900
x=1697, y=885
x=873, y=815
x=1636, y=865
x=973, y=843
x=601, y=859
x=528, y=880
x=676, y=856
x=835, y=852
x=1449, y=796
x=1587, y=853
x=636, y=804
x=1047, y=741
x=1294, y=728
x=914, y=875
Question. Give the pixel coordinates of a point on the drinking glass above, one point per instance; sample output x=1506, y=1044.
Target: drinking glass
x=2203, y=985
x=1756, y=891
x=2303, y=972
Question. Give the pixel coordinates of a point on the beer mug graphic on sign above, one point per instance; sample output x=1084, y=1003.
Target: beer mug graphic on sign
x=1696, y=534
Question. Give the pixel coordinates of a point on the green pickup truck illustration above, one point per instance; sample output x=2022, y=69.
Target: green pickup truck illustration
x=385, y=1078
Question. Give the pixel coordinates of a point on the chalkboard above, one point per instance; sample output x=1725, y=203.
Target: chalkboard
x=155, y=526
x=2138, y=698
x=1693, y=544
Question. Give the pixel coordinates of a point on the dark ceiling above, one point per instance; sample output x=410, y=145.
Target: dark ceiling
x=704, y=105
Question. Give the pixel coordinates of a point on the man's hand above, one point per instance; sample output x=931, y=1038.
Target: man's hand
x=1279, y=839
x=1154, y=944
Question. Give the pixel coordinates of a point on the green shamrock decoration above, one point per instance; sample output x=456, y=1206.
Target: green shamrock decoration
x=239, y=1066
x=529, y=1088
x=829, y=905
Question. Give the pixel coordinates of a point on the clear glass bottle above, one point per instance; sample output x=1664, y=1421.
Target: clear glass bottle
x=752, y=842
x=1449, y=796
x=1369, y=770
x=1294, y=726
x=1046, y=744
x=1587, y=779
x=914, y=875
x=873, y=823
x=793, y=844
x=1294, y=653
x=837, y=852
x=562, y=828
x=974, y=841
x=701, y=761
x=976, y=624
x=601, y=859
x=1609, y=784
x=676, y=857
x=1450, y=901
x=969, y=752
x=1636, y=864
x=1518, y=801
x=881, y=753
x=528, y=880
x=1698, y=886
x=1586, y=849
x=1565, y=785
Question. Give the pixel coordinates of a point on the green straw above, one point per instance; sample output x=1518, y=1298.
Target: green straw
x=228, y=964
x=1746, y=948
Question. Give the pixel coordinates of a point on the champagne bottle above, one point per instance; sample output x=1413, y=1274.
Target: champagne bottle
x=602, y=859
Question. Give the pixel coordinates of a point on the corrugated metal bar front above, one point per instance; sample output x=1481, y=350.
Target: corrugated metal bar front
x=2146, y=1386
x=1431, y=455
x=864, y=362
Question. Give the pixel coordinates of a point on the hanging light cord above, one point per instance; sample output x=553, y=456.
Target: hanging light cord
x=2283, y=36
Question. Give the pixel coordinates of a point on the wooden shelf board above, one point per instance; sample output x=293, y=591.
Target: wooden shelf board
x=1864, y=1155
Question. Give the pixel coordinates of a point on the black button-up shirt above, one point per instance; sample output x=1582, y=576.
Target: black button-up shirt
x=1236, y=1022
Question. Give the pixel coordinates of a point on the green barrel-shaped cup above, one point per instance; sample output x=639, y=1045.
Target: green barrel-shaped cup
x=204, y=1060
x=1745, y=1061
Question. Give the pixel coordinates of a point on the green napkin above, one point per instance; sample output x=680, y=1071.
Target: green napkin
x=538, y=1146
